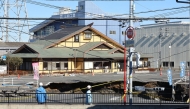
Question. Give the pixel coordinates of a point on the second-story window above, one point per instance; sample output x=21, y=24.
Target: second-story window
x=87, y=35
x=76, y=38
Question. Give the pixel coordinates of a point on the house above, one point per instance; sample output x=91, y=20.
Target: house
x=9, y=47
x=73, y=49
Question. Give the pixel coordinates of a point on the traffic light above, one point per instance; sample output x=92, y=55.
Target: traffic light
x=159, y=88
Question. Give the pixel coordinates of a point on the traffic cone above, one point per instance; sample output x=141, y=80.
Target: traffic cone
x=18, y=77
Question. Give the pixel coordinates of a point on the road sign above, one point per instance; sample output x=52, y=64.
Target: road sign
x=129, y=43
x=130, y=32
x=140, y=88
x=182, y=67
x=169, y=74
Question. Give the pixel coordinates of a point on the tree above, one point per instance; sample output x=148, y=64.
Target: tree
x=14, y=61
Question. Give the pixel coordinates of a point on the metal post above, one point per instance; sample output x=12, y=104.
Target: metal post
x=131, y=76
x=7, y=15
x=125, y=75
x=8, y=65
x=170, y=56
x=160, y=62
x=131, y=5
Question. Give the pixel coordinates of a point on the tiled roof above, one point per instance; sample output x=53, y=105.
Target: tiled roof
x=12, y=44
x=88, y=46
x=63, y=32
x=44, y=42
x=112, y=50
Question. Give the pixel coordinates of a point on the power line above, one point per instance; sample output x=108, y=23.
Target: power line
x=57, y=7
x=105, y=0
x=138, y=18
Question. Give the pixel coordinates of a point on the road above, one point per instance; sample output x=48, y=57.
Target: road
x=142, y=77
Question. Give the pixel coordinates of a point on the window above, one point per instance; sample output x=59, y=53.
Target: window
x=45, y=65
x=165, y=64
x=65, y=65
x=112, y=32
x=97, y=65
x=106, y=65
x=76, y=38
x=57, y=65
x=88, y=35
x=171, y=64
x=81, y=7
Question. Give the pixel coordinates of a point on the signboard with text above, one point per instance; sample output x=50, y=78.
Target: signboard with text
x=182, y=68
x=169, y=74
x=35, y=66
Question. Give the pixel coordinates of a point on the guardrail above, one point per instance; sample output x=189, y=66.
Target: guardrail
x=80, y=98
x=18, y=81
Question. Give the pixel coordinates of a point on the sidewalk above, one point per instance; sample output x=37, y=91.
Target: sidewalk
x=55, y=106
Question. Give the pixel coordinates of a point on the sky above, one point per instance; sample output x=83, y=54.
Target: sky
x=116, y=7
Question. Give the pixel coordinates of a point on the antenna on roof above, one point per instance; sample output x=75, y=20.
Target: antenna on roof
x=90, y=24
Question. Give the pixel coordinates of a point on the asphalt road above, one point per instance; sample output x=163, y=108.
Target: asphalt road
x=142, y=77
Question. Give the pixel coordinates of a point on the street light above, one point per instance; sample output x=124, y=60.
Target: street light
x=173, y=91
x=170, y=46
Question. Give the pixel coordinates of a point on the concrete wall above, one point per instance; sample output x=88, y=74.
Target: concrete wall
x=147, y=42
x=55, y=106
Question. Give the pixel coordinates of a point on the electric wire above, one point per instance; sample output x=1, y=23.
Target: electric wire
x=57, y=7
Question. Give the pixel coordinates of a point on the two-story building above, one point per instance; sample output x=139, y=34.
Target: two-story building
x=76, y=49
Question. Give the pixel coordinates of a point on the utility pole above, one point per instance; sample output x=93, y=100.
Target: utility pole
x=7, y=15
x=17, y=9
x=131, y=5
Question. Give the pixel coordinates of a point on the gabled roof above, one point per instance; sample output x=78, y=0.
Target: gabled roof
x=28, y=47
x=67, y=33
x=114, y=50
x=91, y=45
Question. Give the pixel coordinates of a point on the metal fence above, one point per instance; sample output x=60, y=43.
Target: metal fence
x=79, y=98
